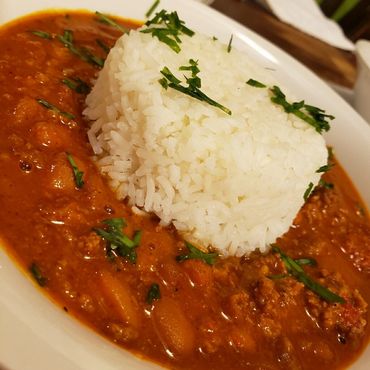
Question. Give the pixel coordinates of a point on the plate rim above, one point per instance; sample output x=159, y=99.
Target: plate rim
x=13, y=302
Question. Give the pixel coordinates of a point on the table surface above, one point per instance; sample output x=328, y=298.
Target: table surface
x=334, y=65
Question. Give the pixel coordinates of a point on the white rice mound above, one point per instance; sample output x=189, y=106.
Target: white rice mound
x=233, y=182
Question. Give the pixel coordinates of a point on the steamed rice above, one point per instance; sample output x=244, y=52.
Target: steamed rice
x=234, y=182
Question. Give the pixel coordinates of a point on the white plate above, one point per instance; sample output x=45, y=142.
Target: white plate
x=36, y=334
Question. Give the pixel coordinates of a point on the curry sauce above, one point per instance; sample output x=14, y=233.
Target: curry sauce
x=239, y=313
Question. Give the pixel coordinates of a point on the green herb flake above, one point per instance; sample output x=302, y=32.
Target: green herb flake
x=326, y=185
x=314, y=116
x=325, y=168
x=168, y=28
x=119, y=244
x=169, y=76
x=193, y=84
x=103, y=46
x=153, y=293
x=163, y=83
x=214, y=38
x=68, y=36
x=37, y=275
x=42, y=34
x=76, y=84
x=164, y=36
x=308, y=191
x=78, y=175
x=255, y=83
x=296, y=271
x=195, y=253
x=152, y=9
x=55, y=109
x=110, y=22
x=84, y=54
x=229, y=45
x=360, y=210
x=277, y=276
x=301, y=262
x=306, y=261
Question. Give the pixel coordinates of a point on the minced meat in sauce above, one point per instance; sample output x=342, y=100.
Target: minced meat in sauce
x=240, y=313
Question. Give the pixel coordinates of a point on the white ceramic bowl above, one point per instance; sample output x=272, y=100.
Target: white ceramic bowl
x=362, y=86
x=35, y=333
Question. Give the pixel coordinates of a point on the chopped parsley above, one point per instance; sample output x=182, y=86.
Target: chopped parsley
x=297, y=272
x=119, y=244
x=229, y=44
x=77, y=85
x=153, y=293
x=326, y=185
x=78, y=175
x=306, y=261
x=322, y=183
x=167, y=28
x=255, y=83
x=102, y=18
x=152, y=9
x=42, y=34
x=324, y=168
x=195, y=253
x=103, y=45
x=330, y=164
x=67, y=40
x=314, y=116
x=193, y=68
x=277, y=276
x=193, y=84
x=55, y=109
x=360, y=209
x=37, y=275
x=301, y=261
x=308, y=191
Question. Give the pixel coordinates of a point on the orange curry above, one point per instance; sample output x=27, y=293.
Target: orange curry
x=238, y=313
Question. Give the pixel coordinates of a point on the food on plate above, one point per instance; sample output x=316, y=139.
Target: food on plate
x=299, y=305
x=231, y=174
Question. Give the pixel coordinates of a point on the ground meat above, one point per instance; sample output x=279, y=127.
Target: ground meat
x=240, y=313
x=91, y=246
x=238, y=305
x=241, y=338
x=348, y=319
x=209, y=340
x=317, y=348
x=266, y=295
x=286, y=355
x=121, y=333
x=360, y=257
